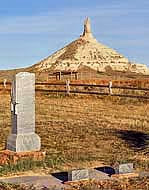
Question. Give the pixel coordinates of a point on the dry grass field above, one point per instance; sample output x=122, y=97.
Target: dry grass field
x=87, y=131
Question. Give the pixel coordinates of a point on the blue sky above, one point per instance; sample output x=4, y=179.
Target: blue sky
x=31, y=30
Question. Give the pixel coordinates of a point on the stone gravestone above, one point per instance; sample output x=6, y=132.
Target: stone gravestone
x=124, y=168
x=77, y=175
x=23, y=137
x=86, y=174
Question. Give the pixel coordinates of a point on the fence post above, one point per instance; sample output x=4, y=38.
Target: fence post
x=56, y=76
x=5, y=81
x=68, y=87
x=110, y=87
x=60, y=75
x=76, y=76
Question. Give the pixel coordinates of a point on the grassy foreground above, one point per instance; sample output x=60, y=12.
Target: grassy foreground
x=85, y=131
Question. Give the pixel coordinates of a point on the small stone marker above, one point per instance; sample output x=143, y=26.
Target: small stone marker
x=143, y=174
x=124, y=168
x=77, y=175
x=23, y=137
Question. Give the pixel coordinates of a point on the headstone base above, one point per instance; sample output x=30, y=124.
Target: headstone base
x=11, y=157
x=23, y=142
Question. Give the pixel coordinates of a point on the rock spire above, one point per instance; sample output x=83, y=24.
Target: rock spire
x=87, y=29
x=87, y=51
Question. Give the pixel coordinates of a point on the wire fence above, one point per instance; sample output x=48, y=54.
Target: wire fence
x=68, y=88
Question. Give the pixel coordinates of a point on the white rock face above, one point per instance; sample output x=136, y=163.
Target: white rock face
x=86, y=51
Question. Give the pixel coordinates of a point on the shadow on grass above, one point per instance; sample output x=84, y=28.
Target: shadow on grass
x=135, y=139
x=106, y=169
x=63, y=176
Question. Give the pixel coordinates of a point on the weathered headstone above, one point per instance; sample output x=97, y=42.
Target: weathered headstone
x=77, y=175
x=23, y=137
x=124, y=168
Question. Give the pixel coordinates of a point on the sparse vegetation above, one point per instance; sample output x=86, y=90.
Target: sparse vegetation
x=126, y=184
x=21, y=166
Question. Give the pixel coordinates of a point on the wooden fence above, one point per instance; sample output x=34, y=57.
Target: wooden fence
x=67, y=88
x=95, y=89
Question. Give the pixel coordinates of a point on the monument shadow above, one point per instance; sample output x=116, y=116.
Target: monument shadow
x=62, y=176
x=135, y=139
x=106, y=169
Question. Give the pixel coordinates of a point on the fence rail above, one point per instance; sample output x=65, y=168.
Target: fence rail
x=93, y=85
x=110, y=87
x=67, y=89
x=92, y=93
